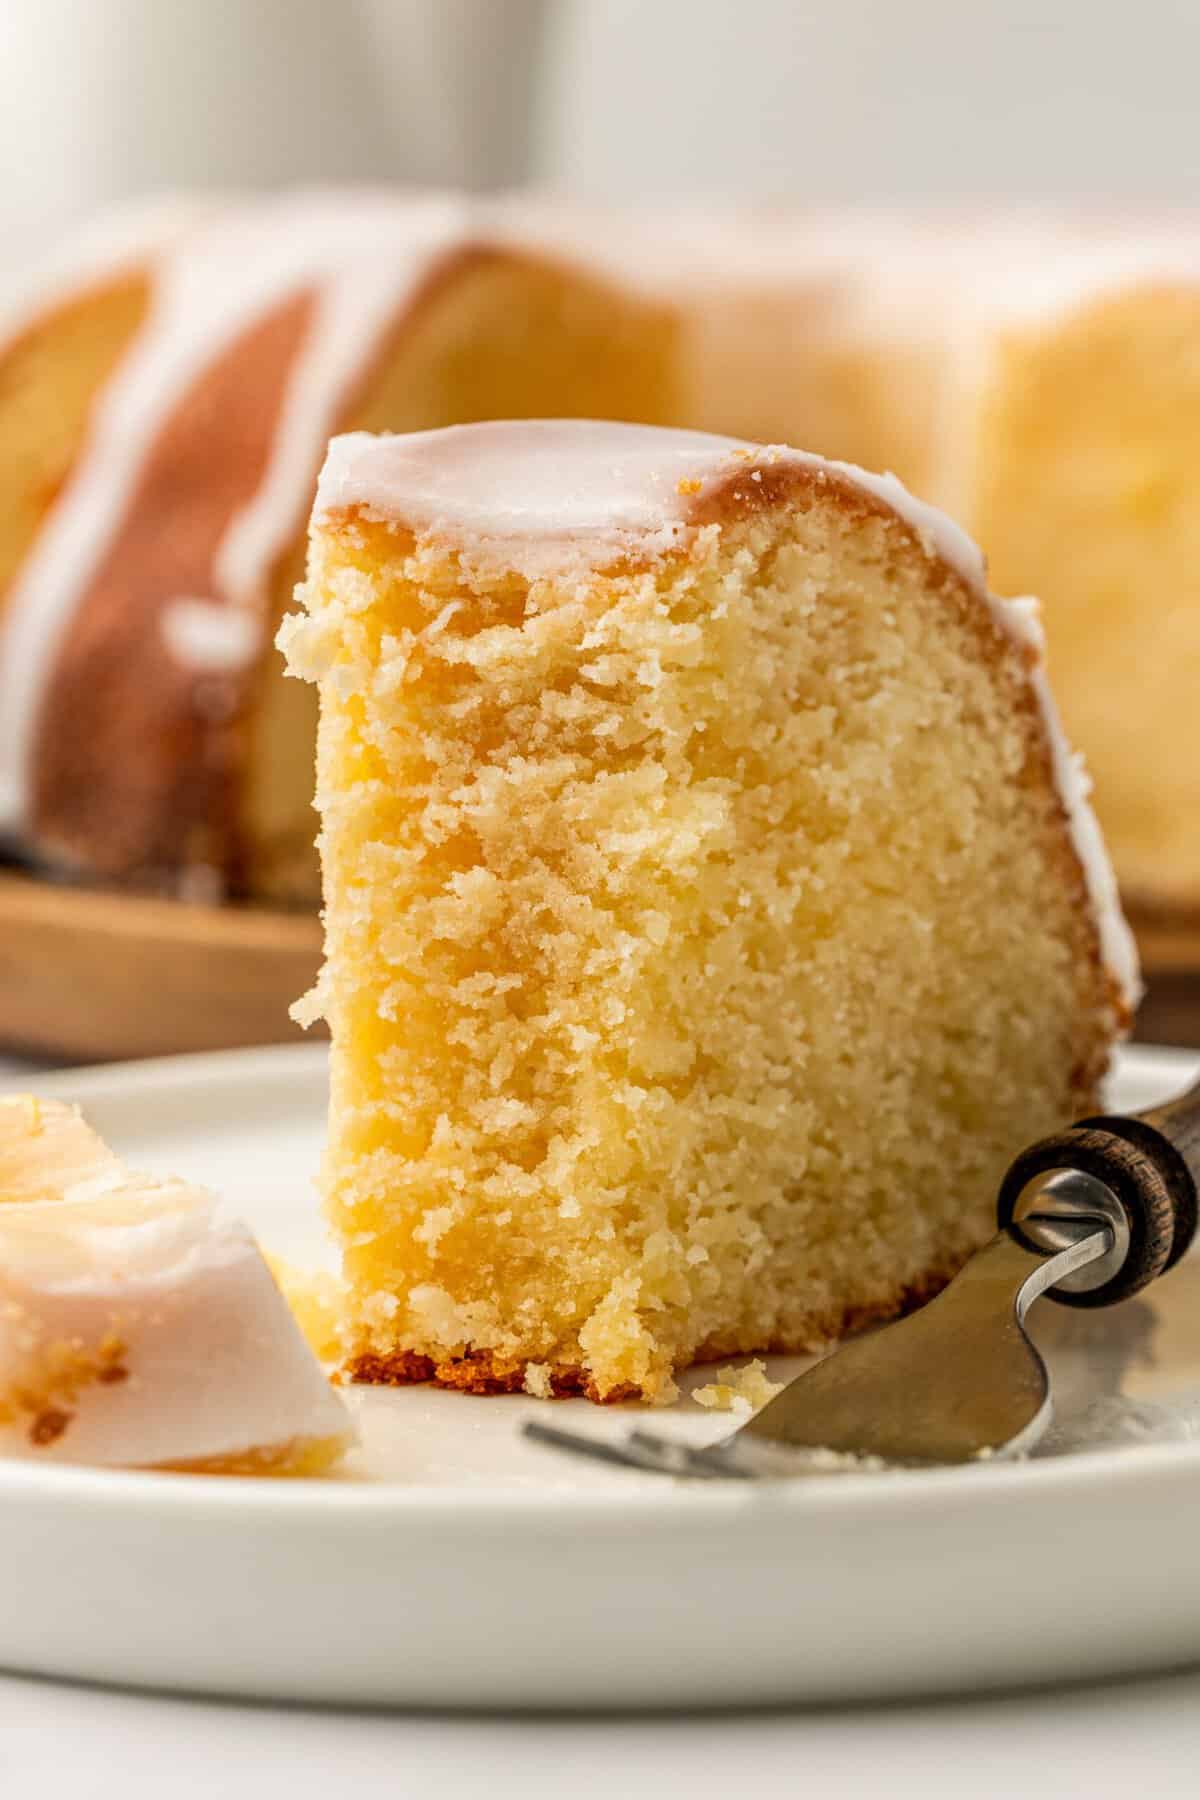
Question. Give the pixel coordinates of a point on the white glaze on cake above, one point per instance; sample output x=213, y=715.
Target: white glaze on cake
x=536, y=487
x=364, y=255
x=1031, y=269
x=548, y=496
x=136, y=1330
x=117, y=242
x=208, y=637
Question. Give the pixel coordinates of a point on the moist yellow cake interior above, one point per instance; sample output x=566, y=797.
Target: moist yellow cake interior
x=703, y=939
x=1100, y=519
x=51, y=378
x=504, y=338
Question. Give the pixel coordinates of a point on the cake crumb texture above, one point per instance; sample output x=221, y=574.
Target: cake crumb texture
x=704, y=936
x=741, y=1390
x=316, y=1300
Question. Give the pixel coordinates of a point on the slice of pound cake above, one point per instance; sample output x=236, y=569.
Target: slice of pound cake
x=712, y=905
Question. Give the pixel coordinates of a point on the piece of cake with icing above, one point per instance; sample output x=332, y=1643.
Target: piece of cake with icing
x=138, y=1329
x=712, y=908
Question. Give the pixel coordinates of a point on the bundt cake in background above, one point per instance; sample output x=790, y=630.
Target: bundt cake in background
x=712, y=905
x=163, y=412
x=1077, y=465
x=1039, y=378
x=162, y=427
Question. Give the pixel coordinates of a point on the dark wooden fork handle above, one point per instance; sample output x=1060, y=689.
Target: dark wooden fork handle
x=1151, y=1162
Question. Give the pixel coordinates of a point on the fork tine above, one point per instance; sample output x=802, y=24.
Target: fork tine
x=676, y=1458
x=577, y=1443
x=644, y=1450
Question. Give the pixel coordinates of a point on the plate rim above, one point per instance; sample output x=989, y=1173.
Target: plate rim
x=314, y=1500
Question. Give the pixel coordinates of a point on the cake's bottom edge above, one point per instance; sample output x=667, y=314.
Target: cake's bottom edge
x=478, y=1372
x=484, y=1372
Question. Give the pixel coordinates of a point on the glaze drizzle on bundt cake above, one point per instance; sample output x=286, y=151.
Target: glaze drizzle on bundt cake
x=144, y=732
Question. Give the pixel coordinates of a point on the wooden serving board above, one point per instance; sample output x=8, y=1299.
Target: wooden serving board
x=96, y=976
x=1167, y=946
x=1170, y=951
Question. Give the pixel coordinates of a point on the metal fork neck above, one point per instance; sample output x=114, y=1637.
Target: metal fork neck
x=1061, y=1207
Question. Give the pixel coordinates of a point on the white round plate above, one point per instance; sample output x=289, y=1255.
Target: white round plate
x=454, y=1564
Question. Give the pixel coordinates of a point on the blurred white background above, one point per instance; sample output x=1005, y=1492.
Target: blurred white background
x=870, y=100
x=876, y=100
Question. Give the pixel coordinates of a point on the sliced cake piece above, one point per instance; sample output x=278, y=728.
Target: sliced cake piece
x=712, y=905
x=136, y=1328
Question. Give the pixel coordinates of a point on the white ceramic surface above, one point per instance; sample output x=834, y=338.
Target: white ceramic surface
x=455, y=1565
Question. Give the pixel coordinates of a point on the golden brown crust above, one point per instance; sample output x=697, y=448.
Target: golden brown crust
x=761, y=484
x=475, y=1372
